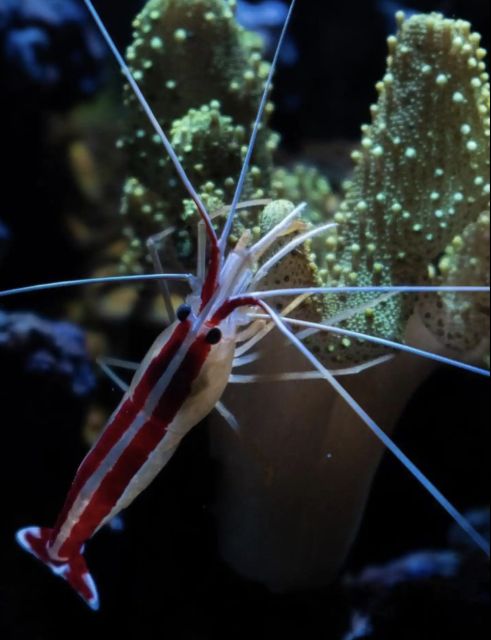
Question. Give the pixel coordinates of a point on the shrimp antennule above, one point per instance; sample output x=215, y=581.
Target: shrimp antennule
x=381, y=289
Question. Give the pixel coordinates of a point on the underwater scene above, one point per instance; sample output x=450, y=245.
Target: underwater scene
x=244, y=319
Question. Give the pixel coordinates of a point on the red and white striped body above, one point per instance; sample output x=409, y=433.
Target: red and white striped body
x=177, y=385
x=179, y=382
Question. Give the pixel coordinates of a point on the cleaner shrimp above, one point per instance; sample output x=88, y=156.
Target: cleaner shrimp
x=184, y=375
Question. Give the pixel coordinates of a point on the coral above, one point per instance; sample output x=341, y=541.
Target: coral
x=50, y=49
x=416, y=566
x=303, y=184
x=207, y=100
x=55, y=349
x=421, y=174
x=461, y=321
x=416, y=185
x=452, y=582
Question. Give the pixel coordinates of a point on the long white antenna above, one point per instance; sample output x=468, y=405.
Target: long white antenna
x=315, y=327
x=270, y=293
x=153, y=120
x=257, y=125
x=187, y=277
x=65, y=284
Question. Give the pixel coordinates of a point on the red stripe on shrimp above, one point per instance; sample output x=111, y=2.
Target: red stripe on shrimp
x=159, y=364
x=121, y=421
x=139, y=449
x=210, y=285
x=231, y=305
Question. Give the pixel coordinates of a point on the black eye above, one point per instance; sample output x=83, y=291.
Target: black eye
x=214, y=336
x=183, y=312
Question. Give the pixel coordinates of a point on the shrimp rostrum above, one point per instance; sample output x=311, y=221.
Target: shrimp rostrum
x=183, y=376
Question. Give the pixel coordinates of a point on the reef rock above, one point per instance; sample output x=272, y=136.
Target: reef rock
x=49, y=49
x=55, y=350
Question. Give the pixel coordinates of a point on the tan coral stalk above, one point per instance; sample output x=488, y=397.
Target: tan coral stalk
x=295, y=482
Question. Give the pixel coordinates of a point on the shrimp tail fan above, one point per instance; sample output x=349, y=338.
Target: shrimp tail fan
x=35, y=540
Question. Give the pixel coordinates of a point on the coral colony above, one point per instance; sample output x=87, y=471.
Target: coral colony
x=399, y=216
x=207, y=100
x=402, y=221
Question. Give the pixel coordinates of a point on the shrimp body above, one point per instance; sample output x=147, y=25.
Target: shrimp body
x=178, y=384
x=188, y=368
x=141, y=436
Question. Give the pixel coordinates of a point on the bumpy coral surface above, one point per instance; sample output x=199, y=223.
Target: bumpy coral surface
x=204, y=75
x=418, y=191
x=461, y=321
x=421, y=178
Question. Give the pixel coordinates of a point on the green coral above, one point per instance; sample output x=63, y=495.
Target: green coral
x=303, y=184
x=206, y=98
x=461, y=321
x=421, y=174
x=420, y=179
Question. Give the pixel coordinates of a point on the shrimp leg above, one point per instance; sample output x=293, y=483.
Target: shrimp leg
x=228, y=416
x=306, y=375
x=153, y=248
x=108, y=364
x=107, y=368
x=117, y=363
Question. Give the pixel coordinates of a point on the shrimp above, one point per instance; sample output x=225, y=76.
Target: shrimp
x=185, y=373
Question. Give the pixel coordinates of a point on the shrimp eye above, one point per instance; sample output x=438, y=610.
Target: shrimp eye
x=183, y=312
x=214, y=336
